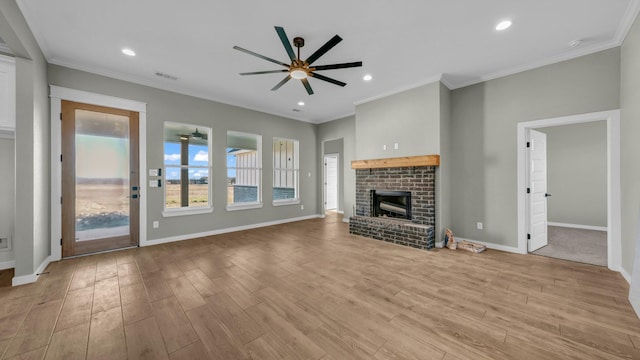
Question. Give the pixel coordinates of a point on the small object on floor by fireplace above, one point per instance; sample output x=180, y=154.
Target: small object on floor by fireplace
x=449, y=240
x=470, y=246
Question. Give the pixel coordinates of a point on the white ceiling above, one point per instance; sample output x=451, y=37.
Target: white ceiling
x=403, y=44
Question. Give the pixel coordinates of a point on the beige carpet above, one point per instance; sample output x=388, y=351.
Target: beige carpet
x=585, y=246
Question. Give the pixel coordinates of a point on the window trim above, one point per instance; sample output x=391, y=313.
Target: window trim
x=253, y=204
x=185, y=211
x=296, y=169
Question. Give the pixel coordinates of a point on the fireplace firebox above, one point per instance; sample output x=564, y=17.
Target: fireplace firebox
x=393, y=204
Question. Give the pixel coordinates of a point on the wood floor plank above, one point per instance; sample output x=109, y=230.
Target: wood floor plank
x=195, y=351
x=37, y=354
x=186, y=294
x=201, y=282
x=106, y=336
x=135, y=304
x=144, y=340
x=268, y=318
x=271, y=347
x=76, y=309
x=36, y=329
x=235, y=318
x=106, y=295
x=220, y=341
x=83, y=277
x=174, y=326
x=70, y=343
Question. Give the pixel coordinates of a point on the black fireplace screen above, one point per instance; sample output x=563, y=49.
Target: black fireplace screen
x=395, y=204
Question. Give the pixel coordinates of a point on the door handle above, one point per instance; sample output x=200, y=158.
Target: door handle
x=547, y=195
x=134, y=196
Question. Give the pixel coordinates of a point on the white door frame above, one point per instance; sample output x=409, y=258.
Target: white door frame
x=614, y=224
x=324, y=187
x=57, y=94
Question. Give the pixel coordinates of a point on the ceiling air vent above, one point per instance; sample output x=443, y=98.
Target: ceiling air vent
x=296, y=110
x=166, y=76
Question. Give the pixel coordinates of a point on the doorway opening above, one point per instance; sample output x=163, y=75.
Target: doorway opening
x=331, y=182
x=613, y=217
x=570, y=163
x=100, y=178
x=95, y=103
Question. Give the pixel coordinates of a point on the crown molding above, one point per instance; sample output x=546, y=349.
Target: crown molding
x=402, y=89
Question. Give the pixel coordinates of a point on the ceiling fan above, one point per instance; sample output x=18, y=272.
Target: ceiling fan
x=301, y=69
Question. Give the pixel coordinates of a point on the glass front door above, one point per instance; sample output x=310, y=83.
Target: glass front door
x=100, y=190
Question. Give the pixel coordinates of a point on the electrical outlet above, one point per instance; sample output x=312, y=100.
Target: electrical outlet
x=479, y=225
x=301, y=207
x=396, y=146
x=156, y=224
x=384, y=147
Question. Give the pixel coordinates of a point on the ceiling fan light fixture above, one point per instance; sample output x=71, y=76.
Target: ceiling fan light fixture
x=196, y=135
x=298, y=74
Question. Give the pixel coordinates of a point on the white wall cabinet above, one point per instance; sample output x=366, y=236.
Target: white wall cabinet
x=7, y=94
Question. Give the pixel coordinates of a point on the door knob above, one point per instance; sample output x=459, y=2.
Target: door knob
x=547, y=195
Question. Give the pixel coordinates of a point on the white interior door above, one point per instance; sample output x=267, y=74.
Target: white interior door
x=331, y=182
x=538, y=190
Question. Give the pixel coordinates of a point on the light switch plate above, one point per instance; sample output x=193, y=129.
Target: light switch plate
x=154, y=172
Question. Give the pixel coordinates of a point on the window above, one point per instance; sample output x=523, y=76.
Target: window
x=285, y=172
x=244, y=171
x=187, y=167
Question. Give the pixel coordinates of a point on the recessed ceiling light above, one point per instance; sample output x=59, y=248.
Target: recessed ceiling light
x=300, y=103
x=367, y=77
x=503, y=25
x=128, y=52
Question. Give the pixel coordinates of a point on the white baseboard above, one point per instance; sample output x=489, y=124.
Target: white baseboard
x=27, y=279
x=493, y=246
x=340, y=212
x=576, y=226
x=345, y=220
x=625, y=275
x=7, y=265
x=227, y=230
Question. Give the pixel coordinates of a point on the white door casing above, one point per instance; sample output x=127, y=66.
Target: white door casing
x=331, y=182
x=538, y=190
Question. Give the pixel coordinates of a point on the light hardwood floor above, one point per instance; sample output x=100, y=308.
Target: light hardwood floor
x=309, y=290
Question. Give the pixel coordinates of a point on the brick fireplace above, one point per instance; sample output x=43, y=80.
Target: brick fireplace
x=394, y=183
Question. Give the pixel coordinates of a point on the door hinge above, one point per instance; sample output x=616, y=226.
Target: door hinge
x=528, y=144
x=60, y=157
x=60, y=116
x=60, y=241
x=528, y=236
x=60, y=200
x=528, y=190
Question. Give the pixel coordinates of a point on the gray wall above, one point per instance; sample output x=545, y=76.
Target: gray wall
x=340, y=129
x=7, y=194
x=630, y=148
x=336, y=147
x=483, y=135
x=577, y=173
x=410, y=118
x=167, y=106
x=32, y=239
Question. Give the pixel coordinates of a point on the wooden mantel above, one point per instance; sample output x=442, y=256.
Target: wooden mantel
x=406, y=161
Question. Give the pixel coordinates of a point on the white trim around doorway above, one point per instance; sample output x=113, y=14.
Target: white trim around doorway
x=612, y=117
x=57, y=94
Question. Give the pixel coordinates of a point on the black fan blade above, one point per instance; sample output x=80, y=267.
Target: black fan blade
x=264, y=72
x=261, y=56
x=324, y=48
x=285, y=42
x=328, y=79
x=305, y=82
x=337, y=66
x=281, y=83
